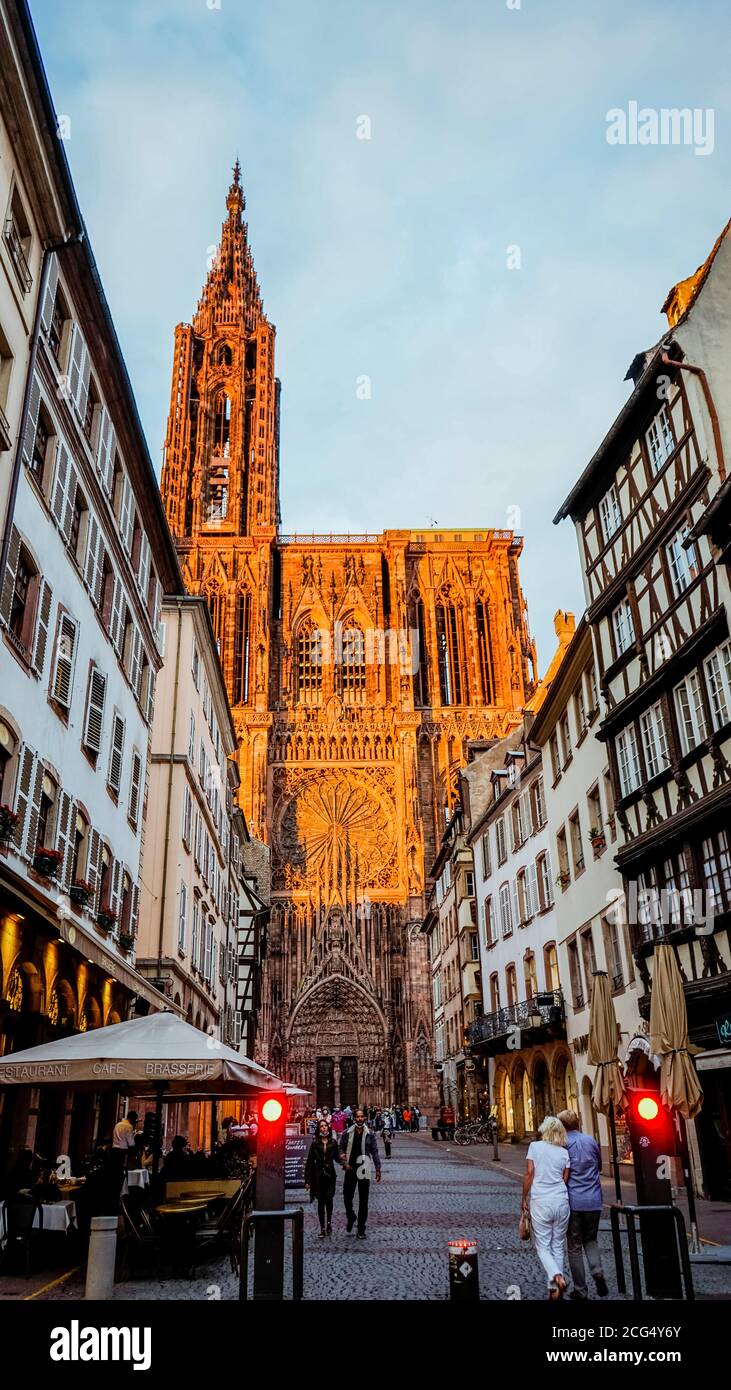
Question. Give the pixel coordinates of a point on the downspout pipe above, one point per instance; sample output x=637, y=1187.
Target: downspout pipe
x=715, y=426
x=168, y=807
x=73, y=240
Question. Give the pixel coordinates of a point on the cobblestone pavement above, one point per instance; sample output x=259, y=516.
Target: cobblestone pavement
x=429, y=1193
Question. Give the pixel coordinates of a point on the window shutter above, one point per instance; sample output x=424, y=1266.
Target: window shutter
x=143, y=572
x=63, y=674
x=182, y=917
x=115, y=757
x=533, y=902
x=517, y=919
x=92, y=865
x=126, y=514
x=115, y=888
x=31, y=424
x=94, y=722
x=34, y=809
x=43, y=619
x=93, y=568
x=134, y=916
x=79, y=368
x=148, y=696
x=116, y=626
x=58, y=498
x=65, y=836
x=549, y=877
x=23, y=795
x=6, y=601
x=105, y=452
x=135, y=660
x=134, y=788
x=49, y=293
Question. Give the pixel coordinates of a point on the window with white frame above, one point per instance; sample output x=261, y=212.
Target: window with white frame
x=187, y=816
x=654, y=739
x=506, y=912
x=539, y=804
x=628, y=760
x=610, y=513
x=682, y=561
x=488, y=924
x=545, y=880
x=690, y=712
x=623, y=626
x=486, y=857
x=660, y=441
x=718, y=674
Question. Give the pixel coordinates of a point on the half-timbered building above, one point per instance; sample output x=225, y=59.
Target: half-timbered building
x=649, y=514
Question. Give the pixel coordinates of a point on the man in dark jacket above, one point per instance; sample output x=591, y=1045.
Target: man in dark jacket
x=359, y=1156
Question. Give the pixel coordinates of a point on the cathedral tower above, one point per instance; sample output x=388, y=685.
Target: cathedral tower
x=358, y=668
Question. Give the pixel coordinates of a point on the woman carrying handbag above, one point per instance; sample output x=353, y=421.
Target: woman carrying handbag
x=321, y=1175
x=545, y=1205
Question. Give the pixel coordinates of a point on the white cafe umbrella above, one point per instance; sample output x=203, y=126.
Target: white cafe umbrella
x=161, y=1050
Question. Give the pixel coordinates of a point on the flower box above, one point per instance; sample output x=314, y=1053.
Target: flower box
x=81, y=892
x=47, y=861
x=105, y=917
x=126, y=940
x=563, y=880
x=8, y=823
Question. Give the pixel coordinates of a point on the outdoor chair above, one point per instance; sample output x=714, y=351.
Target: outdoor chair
x=224, y=1231
x=142, y=1240
x=19, y=1216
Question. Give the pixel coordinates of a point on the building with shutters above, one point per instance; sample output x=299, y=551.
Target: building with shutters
x=187, y=941
x=519, y=1037
x=86, y=559
x=584, y=837
x=652, y=511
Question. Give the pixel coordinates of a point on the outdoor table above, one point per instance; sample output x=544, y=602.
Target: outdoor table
x=57, y=1216
x=136, y=1177
x=181, y=1240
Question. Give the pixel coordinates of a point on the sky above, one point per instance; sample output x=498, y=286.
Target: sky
x=485, y=258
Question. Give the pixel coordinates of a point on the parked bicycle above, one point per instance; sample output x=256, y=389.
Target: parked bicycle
x=476, y=1132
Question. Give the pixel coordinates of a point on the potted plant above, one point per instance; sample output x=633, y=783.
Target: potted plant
x=8, y=822
x=47, y=861
x=106, y=917
x=81, y=892
x=126, y=940
x=564, y=878
x=597, y=837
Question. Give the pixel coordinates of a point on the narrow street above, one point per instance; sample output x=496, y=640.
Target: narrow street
x=429, y=1194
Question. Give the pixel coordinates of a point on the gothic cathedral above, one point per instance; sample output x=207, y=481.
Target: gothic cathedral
x=357, y=667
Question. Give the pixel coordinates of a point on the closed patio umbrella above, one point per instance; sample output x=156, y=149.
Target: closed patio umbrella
x=608, y=1090
x=680, y=1089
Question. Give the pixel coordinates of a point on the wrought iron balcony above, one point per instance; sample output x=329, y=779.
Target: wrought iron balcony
x=544, y=1011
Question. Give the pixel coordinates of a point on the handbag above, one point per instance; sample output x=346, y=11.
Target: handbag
x=524, y=1226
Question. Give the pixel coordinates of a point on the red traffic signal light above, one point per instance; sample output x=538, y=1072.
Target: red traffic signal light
x=272, y=1110
x=648, y=1108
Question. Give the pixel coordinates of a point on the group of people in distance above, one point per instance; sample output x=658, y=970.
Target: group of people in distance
x=344, y=1139
x=400, y=1117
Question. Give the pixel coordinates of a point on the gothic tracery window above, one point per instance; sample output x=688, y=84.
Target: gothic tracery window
x=309, y=664
x=241, y=648
x=450, y=652
x=352, y=665
x=419, y=652
x=216, y=599
x=484, y=650
x=221, y=424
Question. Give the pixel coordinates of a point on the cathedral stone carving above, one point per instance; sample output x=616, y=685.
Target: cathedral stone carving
x=358, y=668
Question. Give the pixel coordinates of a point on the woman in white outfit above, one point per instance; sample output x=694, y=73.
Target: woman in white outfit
x=544, y=1185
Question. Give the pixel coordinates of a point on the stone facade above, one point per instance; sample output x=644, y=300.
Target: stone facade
x=357, y=669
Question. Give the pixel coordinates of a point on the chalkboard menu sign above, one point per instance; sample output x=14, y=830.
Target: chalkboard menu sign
x=296, y=1149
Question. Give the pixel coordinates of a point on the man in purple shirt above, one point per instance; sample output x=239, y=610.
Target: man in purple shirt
x=585, y=1201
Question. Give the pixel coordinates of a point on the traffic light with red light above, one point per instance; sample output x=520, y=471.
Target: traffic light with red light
x=654, y=1145
x=269, y=1244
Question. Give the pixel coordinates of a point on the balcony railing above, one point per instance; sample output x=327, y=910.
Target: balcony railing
x=549, y=1006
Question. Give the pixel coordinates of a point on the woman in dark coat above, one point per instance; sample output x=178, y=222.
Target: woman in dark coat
x=321, y=1175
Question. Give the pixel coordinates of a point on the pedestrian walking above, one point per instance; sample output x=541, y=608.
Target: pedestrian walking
x=321, y=1175
x=546, y=1196
x=585, y=1203
x=337, y=1122
x=387, y=1131
x=359, y=1155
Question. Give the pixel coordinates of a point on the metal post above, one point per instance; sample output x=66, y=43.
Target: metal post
x=615, y=1151
x=688, y=1177
x=617, y=1247
x=102, y=1257
x=634, y=1258
x=298, y=1250
x=159, y=1088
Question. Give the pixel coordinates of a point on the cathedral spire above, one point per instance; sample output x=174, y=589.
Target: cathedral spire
x=231, y=293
